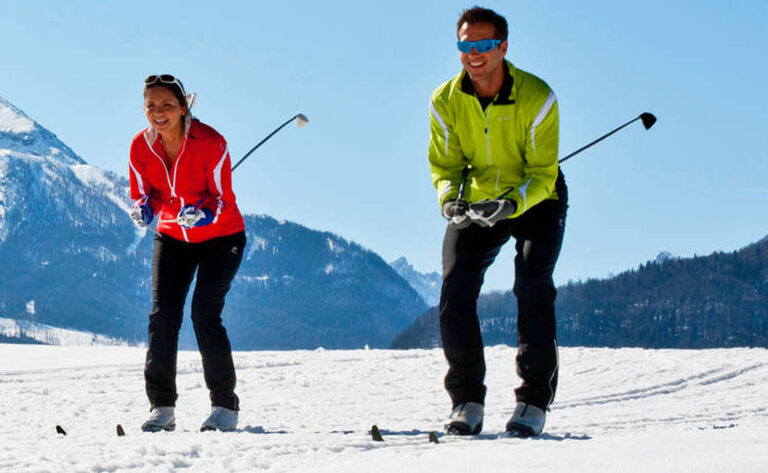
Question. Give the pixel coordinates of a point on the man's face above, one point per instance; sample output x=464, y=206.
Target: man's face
x=481, y=66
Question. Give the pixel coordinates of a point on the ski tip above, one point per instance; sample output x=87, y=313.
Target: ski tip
x=60, y=430
x=433, y=437
x=120, y=431
x=376, y=433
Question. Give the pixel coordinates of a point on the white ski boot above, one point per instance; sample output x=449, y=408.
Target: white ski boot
x=160, y=418
x=221, y=418
x=527, y=420
x=465, y=419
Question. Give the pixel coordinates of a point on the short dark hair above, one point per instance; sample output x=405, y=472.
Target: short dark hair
x=478, y=14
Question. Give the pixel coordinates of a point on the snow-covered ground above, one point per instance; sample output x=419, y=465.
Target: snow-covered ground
x=626, y=410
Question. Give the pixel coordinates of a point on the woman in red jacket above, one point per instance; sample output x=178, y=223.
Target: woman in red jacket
x=180, y=170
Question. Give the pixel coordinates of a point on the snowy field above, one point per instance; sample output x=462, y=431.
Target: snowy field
x=311, y=411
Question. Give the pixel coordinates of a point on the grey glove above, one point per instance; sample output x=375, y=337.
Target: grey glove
x=142, y=215
x=456, y=212
x=487, y=212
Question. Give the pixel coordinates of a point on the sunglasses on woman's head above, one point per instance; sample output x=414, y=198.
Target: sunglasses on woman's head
x=164, y=79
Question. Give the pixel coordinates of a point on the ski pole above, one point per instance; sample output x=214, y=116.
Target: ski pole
x=648, y=120
x=457, y=219
x=301, y=121
x=464, y=174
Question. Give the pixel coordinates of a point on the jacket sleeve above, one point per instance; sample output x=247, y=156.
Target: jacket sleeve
x=541, y=167
x=140, y=187
x=446, y=160
x=219, y=176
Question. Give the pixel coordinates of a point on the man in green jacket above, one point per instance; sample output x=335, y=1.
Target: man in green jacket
x=493, y=159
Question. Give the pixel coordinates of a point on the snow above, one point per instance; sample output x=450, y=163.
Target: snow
x=618, y=410
x=91, y=176
x=334, y=246
x=12, y=120
x=51, y=335
x=256, y=243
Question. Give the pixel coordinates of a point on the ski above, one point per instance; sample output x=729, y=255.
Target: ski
x=120, y=431
x=376, y=435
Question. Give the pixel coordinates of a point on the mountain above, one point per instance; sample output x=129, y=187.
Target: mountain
x=70, y=251
x=427, y=285
x=664, y=256
x=720, y=300
x=300, y=288
x=24, y=331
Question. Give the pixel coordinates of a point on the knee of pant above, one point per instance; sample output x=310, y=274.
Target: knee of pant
x=536, y=358
x=165, y=319
x=527, y=284
x=208, y=315
x=462, y=277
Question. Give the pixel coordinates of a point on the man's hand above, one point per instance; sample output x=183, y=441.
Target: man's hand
x=456, y=212
x=142, y=215
x=487, y=212
x=190, y=217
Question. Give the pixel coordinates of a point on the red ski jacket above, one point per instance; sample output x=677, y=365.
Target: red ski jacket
x=202, y=171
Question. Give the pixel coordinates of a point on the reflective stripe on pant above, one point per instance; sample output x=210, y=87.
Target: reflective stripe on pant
x=174, y=265
x=467, y=254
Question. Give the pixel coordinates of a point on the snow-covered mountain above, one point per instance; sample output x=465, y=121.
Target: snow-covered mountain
x=67, y=243
x=664, y=256
x=24, y=331
x=22, y=135
x=426, y=284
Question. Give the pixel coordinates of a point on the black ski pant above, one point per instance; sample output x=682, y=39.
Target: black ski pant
x=467, y=253
x=174, y=264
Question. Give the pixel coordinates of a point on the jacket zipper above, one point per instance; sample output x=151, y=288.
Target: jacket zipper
x=175, y=170
x=487, y=114
x=172, y=184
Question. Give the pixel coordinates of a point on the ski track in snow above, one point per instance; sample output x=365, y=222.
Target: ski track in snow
x=616, y=410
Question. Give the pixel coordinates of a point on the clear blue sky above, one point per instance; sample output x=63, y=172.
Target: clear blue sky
x=363, y=72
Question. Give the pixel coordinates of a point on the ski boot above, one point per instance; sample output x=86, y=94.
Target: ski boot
x=160, y=418
x=465, y=419
x=527, y=420
x=221, y=418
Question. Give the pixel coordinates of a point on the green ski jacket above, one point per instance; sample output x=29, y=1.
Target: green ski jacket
x=510, y=148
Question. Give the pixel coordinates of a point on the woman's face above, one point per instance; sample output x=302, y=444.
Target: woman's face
x=163, y=109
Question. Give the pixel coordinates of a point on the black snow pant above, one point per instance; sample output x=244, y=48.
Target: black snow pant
x=174, y=264
x=467, y=253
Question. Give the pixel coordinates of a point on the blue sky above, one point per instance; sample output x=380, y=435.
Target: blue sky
x=363, y=72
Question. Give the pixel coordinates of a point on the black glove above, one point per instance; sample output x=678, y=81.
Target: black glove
x=487, y=212
x=456, y=212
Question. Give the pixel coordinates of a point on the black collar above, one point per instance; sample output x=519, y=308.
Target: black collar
x=502, y=98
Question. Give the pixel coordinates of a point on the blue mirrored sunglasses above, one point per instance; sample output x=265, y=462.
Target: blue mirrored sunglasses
x=482, y=46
